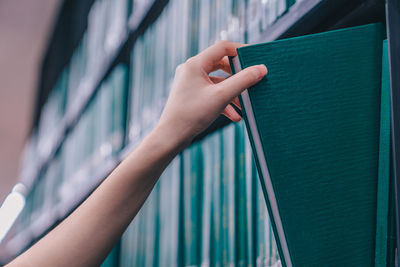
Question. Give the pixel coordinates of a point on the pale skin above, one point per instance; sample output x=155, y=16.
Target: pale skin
x=196, y=99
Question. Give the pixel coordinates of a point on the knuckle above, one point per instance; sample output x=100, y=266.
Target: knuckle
x=221, y=94
x=190, y=60
x=222, y=43
x=190, y=63
x=179, y=68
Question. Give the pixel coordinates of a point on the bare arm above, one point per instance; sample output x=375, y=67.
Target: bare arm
x=88, y=234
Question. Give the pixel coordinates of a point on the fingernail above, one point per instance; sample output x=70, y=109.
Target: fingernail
x=262, y=70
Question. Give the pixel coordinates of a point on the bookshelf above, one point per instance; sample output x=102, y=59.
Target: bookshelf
x=303, y=17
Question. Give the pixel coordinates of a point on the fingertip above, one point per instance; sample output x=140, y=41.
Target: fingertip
x=236, y=118
x=231, y=114
x=262, y=70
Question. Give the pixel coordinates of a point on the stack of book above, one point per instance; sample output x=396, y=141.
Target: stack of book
x=98, y=135
x=207, y=209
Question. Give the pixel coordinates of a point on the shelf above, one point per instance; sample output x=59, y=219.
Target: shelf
x=89, y=85
x=313, y=16
x=51, y=217
x=293, y=16
x=304, y=17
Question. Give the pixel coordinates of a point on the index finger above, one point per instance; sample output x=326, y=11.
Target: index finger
x=212, y=55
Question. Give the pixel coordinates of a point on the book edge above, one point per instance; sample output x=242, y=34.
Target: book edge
x=365, y=26
x=383, y=164
x=262, y=164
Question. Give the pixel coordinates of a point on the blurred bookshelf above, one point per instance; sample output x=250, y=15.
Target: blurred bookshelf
x=101, y=94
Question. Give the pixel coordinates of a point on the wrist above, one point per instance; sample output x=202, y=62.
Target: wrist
x=170, y=137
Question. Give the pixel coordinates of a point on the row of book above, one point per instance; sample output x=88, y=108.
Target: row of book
x=207, y=209
x=99, y=133
x=183, y=29
x=107, y=25
x=97, y=136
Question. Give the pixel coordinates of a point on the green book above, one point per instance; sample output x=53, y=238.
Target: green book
x=192, y=186
x=169, y=215
x=151, y=228
x=251, y=206
x=216, y=215
x=130, y=243
x=204, y=27
x=261, y=225
x=136, y=92
x=206, y=207
x=228, y=196
x=240, y=197
x=118, y=82
x=138, y=259
x=314, y=125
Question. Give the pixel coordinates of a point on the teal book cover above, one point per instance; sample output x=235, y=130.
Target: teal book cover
x=240, y=197
x=170, y=199
x=206, y=207
x=228, y=196
x=192, y=186
x=251, y=200
x=216, y=214
x=118, y=81
x=314, y=124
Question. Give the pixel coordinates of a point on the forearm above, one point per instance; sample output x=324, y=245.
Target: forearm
x=86, y=237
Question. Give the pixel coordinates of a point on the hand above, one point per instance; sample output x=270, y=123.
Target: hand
x=196, y=99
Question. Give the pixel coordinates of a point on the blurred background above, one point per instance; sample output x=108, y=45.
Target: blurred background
x=25, y=27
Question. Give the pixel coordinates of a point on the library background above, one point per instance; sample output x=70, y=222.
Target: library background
x=105, y=77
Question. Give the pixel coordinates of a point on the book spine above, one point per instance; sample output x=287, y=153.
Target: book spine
x=228, y=196
x=216, y=203
x=192, y=200
x=240, y=197
x=251, y=206
x=169, y=215
x=206, y=241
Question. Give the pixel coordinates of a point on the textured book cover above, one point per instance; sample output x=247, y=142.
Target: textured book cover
x=314, y=125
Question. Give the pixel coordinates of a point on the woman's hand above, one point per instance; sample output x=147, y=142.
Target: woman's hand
x=196, y=99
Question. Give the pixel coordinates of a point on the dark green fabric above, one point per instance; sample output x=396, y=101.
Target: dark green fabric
x=318, y=115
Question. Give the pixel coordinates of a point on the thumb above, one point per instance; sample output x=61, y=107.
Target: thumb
x=236, y=84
